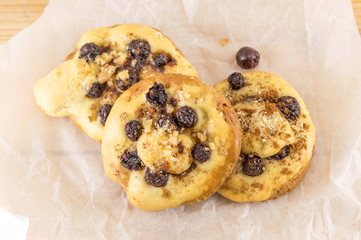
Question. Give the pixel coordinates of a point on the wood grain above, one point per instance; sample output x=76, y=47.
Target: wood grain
x=356, y=4
x=18, y=14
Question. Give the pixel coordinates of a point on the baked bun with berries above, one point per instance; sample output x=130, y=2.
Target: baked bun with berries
x=106, y=62
x=170, y=140
x=278, y=136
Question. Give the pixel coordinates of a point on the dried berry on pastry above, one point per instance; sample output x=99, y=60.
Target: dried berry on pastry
x=170, y=140
x=278, y=136
x=106, y=62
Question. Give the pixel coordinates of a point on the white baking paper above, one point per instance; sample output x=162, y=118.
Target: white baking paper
x=52, y=173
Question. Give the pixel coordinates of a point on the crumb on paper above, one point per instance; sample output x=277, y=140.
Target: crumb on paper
x=224, y=41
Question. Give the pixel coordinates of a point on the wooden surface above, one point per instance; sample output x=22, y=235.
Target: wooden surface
x=356, y=4
x=17, y=14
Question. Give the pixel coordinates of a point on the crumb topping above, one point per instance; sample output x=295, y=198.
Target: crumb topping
x=117, y=70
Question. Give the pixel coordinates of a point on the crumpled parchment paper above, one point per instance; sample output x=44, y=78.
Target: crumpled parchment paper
x=52, y=173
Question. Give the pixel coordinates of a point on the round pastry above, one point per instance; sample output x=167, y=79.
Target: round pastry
x=278, y=136
x=170, y=140
x=107, y=61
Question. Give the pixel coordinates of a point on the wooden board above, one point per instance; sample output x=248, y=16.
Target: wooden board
x=17, y=14
x=356, y=4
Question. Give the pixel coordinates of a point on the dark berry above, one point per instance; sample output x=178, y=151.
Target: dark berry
x=134, y=75
x=201, y=152
x=173, y=102
x=186, y=117
x=180, y=148
x=156, y=179
x=166, y=122
x=161, y=60
x=247, y=57
x=131, y=160
x=139, y=49
x=96, y=90
x=289, y=107
x=133, y=129
x=89, y=51
x=123, y=84
x=157, y=96
x=104, y=112
x=284, y=152
x=252, y=166
x=236, y=80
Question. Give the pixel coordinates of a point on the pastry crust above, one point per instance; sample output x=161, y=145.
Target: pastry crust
x=199, y=180
x=62, y=93
x=279, y=176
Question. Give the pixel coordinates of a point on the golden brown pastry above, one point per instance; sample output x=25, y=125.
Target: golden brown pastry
x=278, y=136
x=106, y=62
x=170, y=140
